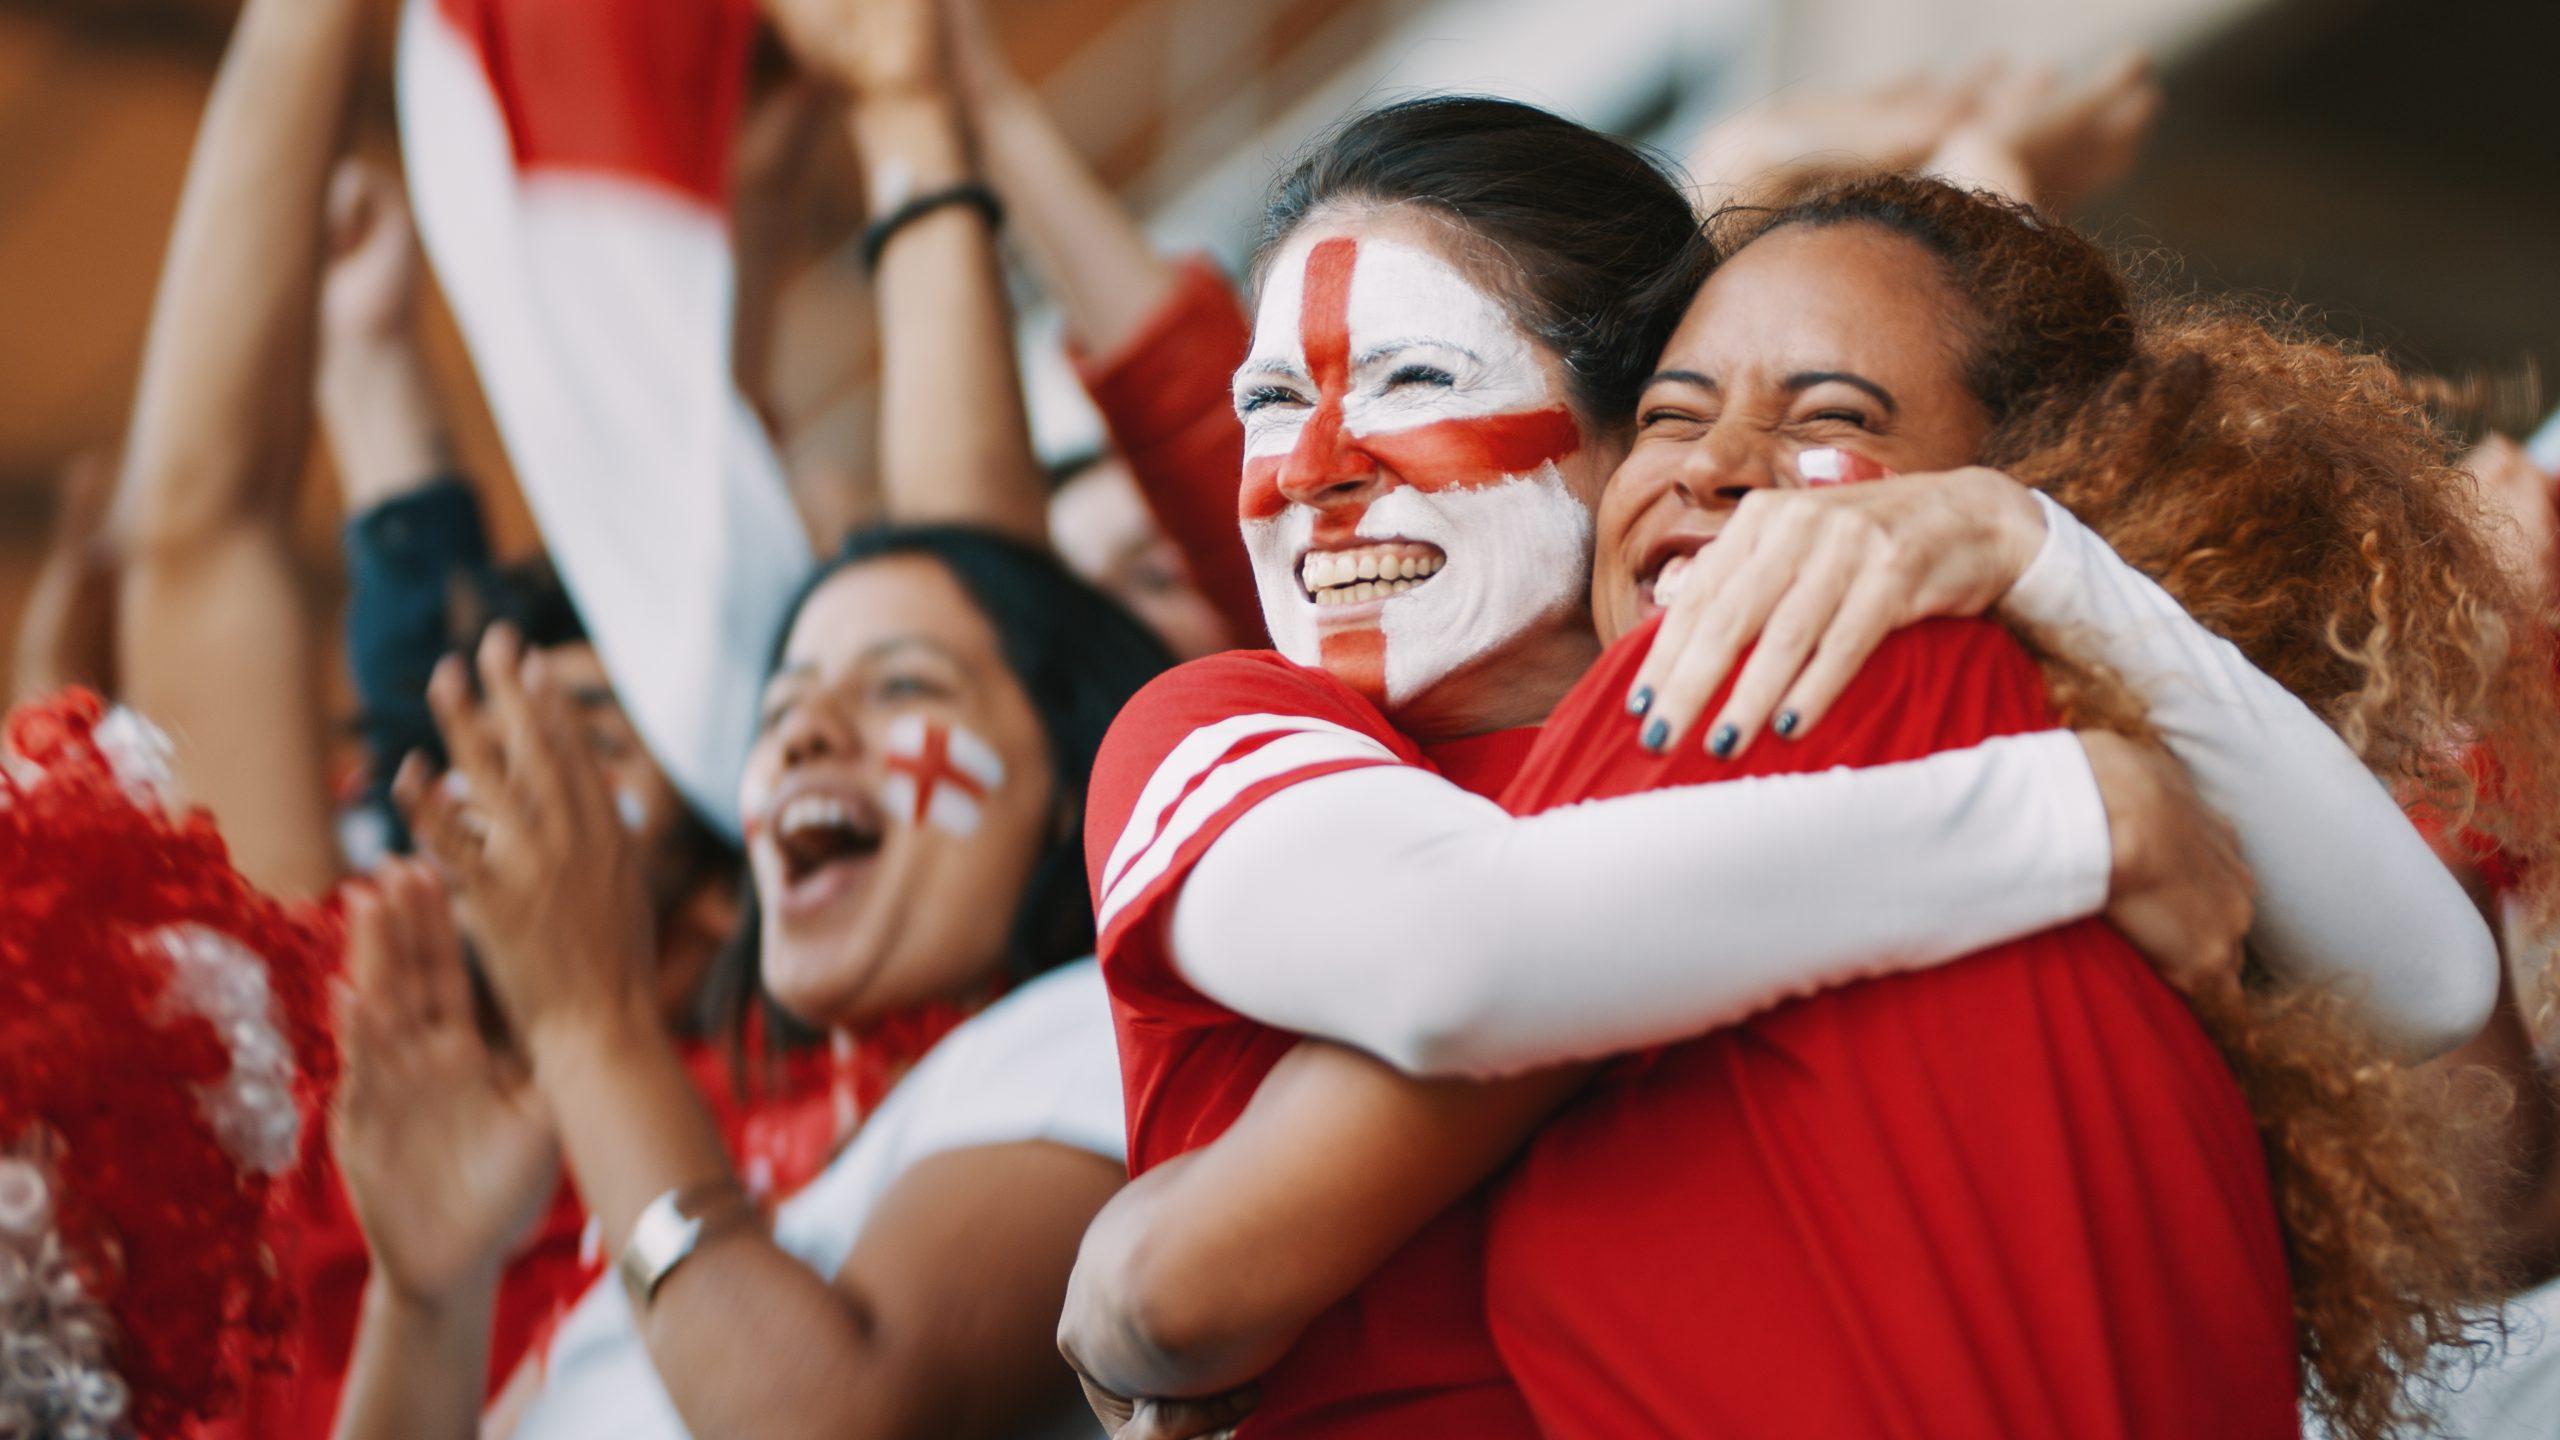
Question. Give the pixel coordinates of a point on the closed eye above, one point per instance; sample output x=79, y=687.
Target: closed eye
x=1263, y=397
x=1418, y=374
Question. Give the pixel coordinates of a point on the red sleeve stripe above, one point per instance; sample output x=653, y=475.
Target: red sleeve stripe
x=1210, y=770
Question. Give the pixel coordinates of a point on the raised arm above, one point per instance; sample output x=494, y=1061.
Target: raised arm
x=1155, y=340
x=214, y=639
x=2348, y=890
x=955, y=441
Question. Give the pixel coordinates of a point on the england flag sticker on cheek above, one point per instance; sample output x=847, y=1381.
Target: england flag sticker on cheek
x=939, y=774
x=1829, y=465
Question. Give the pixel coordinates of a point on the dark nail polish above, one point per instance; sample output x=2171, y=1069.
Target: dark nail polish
x=1657, y=735
x=1720, y=743
x=1786, y=723
x=1640, y=700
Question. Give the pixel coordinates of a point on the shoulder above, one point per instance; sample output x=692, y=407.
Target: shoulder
x=1240, y=718
x=1039, y=1064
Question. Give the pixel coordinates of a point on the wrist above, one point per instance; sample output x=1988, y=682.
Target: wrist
x=910, y=144
x=2016, y=524
x=390, y=1299
x=378, y=411
x=592, y=1038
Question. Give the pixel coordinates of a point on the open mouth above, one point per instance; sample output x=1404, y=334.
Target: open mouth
x=1368, y=572
x=822, y=841
x=1668, y=559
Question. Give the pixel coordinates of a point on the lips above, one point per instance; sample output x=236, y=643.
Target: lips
x=824, y=838
x=1658, y=575
x=1365, y=574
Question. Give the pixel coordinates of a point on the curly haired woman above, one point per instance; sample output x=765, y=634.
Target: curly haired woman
x=1925, y=1155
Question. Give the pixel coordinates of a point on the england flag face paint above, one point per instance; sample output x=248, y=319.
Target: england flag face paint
x=1402, y=499
x=938, y=774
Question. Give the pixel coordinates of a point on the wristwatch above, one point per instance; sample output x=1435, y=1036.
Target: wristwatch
x=672, y=1227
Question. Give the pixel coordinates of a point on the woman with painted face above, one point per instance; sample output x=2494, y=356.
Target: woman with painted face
x=1287, y=853
x=913, y=812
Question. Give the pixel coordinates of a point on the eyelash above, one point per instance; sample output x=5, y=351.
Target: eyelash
x=1265, y=395
x=1421, y=375
x=1852, y=416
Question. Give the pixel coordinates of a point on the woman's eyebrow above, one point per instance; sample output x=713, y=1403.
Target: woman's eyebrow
x=1806, y=380
x=1385, y=348
x=1682, y=377
x=1258, y=366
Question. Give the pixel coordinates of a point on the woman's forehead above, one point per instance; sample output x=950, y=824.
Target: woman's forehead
x=884, y=606
x=1808, y=296
x=1380, y=281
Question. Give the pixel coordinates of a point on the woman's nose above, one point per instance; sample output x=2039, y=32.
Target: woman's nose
x=1718, y=472
x=812, y=731
x=1327, y=465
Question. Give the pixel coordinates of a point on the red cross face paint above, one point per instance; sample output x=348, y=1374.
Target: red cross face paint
x=1402, y=498
x=938, y=774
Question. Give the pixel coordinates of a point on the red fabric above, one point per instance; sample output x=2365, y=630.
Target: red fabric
x=645, y=90
x=1165, y=396
x=2019, y=1195
x=1407, y=1354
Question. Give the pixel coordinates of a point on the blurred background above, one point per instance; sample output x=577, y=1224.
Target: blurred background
x=2396, y=167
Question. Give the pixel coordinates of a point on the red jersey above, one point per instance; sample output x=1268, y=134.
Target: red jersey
x=2019, y=1195
x=1408, y=1353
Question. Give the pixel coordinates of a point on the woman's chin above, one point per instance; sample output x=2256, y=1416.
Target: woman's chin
x=820, y=984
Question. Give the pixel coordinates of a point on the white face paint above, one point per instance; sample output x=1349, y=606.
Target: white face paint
x=939, y=774
x=1401, y=429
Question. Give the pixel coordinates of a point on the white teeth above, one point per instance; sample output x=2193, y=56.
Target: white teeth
x=813, y=812
x=1348, y=577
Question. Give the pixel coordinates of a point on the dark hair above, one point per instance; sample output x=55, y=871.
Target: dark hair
x=1078, y=657
x=529, y=596
x=1586, y=238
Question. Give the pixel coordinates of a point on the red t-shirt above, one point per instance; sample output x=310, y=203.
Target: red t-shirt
x=2019, y=1195
x=1408, y=1353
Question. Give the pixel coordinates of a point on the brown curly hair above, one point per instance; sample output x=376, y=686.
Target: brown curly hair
x=2299, y=498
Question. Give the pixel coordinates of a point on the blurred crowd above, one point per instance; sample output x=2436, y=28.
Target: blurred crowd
x=1760, y=794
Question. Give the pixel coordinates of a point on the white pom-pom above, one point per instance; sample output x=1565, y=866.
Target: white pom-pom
x=251, y=1109
x=26, y=1201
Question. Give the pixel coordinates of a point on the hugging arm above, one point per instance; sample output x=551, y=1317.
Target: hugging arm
x=2348, y=890
x=1201, y=1273
x=1708, y=902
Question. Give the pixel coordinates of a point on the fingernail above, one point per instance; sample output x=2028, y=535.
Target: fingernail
x=1640, y=700
x=1722, y=739
x=1786, y=723
x=1656, y=735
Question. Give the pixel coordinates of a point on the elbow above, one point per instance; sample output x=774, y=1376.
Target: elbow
x=1445, y=1018
x=1148, y=1313
x=2456, y=1000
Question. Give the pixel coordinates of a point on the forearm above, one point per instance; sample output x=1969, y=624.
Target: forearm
x=1201, y=1274
x=419, y=1367
x=1105, y=275
x=1446, y=941
x=220, y=414
x=2348, y=891
x=748, y=1340
x=955, y=440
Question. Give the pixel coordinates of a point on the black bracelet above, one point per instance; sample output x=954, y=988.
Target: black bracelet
x=877, y=235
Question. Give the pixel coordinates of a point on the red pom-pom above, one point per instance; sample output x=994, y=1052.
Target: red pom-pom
x=102, y=1065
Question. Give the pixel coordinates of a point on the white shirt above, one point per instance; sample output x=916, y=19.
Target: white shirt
x=1040, y=1064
